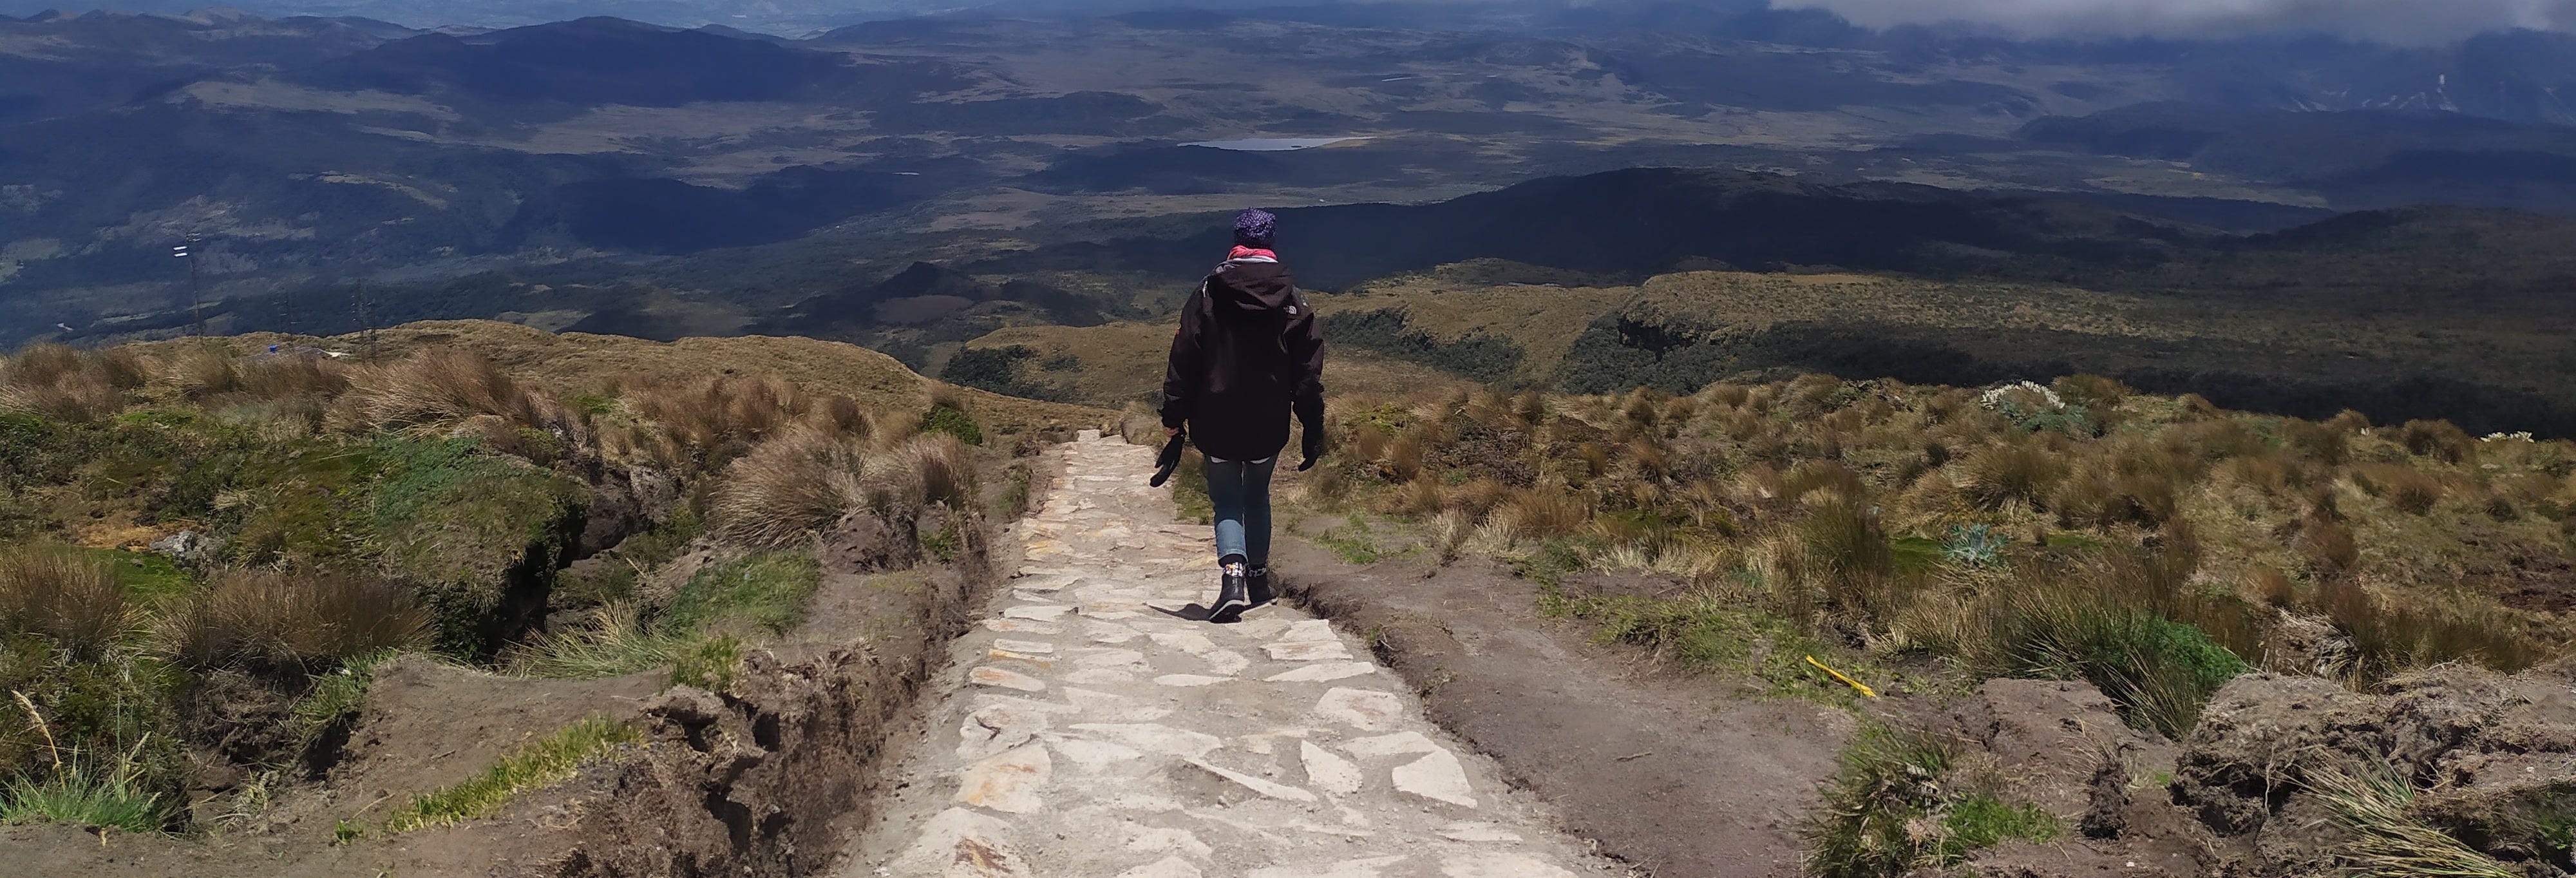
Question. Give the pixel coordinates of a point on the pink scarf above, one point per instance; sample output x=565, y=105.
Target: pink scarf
x=1241, y=251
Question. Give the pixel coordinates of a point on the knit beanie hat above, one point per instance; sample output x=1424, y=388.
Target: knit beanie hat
x=1255, y=228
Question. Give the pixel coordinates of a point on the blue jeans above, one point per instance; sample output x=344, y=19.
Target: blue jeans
x=1240, y=493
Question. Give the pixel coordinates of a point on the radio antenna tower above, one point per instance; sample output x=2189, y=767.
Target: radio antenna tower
x=196, y=280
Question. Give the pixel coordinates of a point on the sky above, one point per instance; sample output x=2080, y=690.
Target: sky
x=2399, y=21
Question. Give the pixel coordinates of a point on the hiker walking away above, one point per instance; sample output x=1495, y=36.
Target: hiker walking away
x=1246, y=356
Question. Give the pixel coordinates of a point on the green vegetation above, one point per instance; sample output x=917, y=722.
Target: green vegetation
x=1708, y=635
x=615, y=643
x=2147, y=552
x=1980, y=820
x=710, y=663
x=1475, y=355
x=1902, y=801
x=545, y=762
x=1000, y=370
x=81, y=791
x=949, y=417
x=334, y=698
x=340, y=514
x=468, y=529
x=1355, y=542
x=765, y=590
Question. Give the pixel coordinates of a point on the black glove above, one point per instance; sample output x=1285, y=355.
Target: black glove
x=1314, y=448
x=1169, y=460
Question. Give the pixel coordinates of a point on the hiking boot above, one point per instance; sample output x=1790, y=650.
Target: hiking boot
x=1257, y=582
x=1231, y=597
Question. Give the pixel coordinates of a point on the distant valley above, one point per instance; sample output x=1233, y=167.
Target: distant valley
x=914, y=184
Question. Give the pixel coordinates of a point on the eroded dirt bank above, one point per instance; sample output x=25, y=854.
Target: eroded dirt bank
x=755, y=780
x=1676, y=776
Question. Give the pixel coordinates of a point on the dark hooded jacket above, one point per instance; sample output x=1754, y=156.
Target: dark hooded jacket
x=1247, y=354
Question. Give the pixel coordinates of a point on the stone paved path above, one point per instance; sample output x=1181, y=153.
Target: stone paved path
x=1087, y=729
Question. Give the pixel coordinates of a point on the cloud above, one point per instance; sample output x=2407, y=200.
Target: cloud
x=2402, y=21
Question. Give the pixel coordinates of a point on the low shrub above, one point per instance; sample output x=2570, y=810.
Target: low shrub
x=1974, y=545
x=2119, y=622
x=947, y=414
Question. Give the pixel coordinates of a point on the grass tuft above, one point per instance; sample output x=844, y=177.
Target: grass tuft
x=787, y=489
x=1897, y=805
x=294, y=622
x=434, y=389
x=79, y=793
x=615, y=643
x=73, y=600
x=2389, y=840
x=543, y=763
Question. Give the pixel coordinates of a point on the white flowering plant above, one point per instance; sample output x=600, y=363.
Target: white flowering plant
x=2036, y=408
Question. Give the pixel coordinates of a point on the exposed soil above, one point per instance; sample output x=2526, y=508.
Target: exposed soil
x=2060, y=745
x=1675, y=775
x=2493, y=759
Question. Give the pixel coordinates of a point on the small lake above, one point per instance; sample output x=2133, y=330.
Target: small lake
x=1272, y=144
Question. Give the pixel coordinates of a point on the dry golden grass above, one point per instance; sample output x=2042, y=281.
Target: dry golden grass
x=788, y=488
x=923, y=469
x=804, y=479
x=299, y=621
x=433, y=390
x=569, y=364
x=74, y=601
x=1839, y=501
x=54, y=381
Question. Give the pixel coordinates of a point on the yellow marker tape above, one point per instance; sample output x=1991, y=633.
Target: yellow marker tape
x=1847, y=681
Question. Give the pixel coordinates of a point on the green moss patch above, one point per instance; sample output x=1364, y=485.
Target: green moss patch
x=767, y=590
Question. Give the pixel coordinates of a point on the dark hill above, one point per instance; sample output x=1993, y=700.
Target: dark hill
x=1647, y=220
x=586, y=63
x=921, y=294
x=61, y=65
x=2357, y=160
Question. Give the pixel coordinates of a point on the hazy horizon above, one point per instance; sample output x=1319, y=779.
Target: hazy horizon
x=2399, y=22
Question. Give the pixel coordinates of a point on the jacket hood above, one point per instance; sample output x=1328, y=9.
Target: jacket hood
x=1255, y=287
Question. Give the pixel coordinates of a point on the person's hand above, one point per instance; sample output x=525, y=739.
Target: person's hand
x=1314, y=448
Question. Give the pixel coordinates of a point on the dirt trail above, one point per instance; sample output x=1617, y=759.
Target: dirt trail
x=1089, y=727
x=1678, y=775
